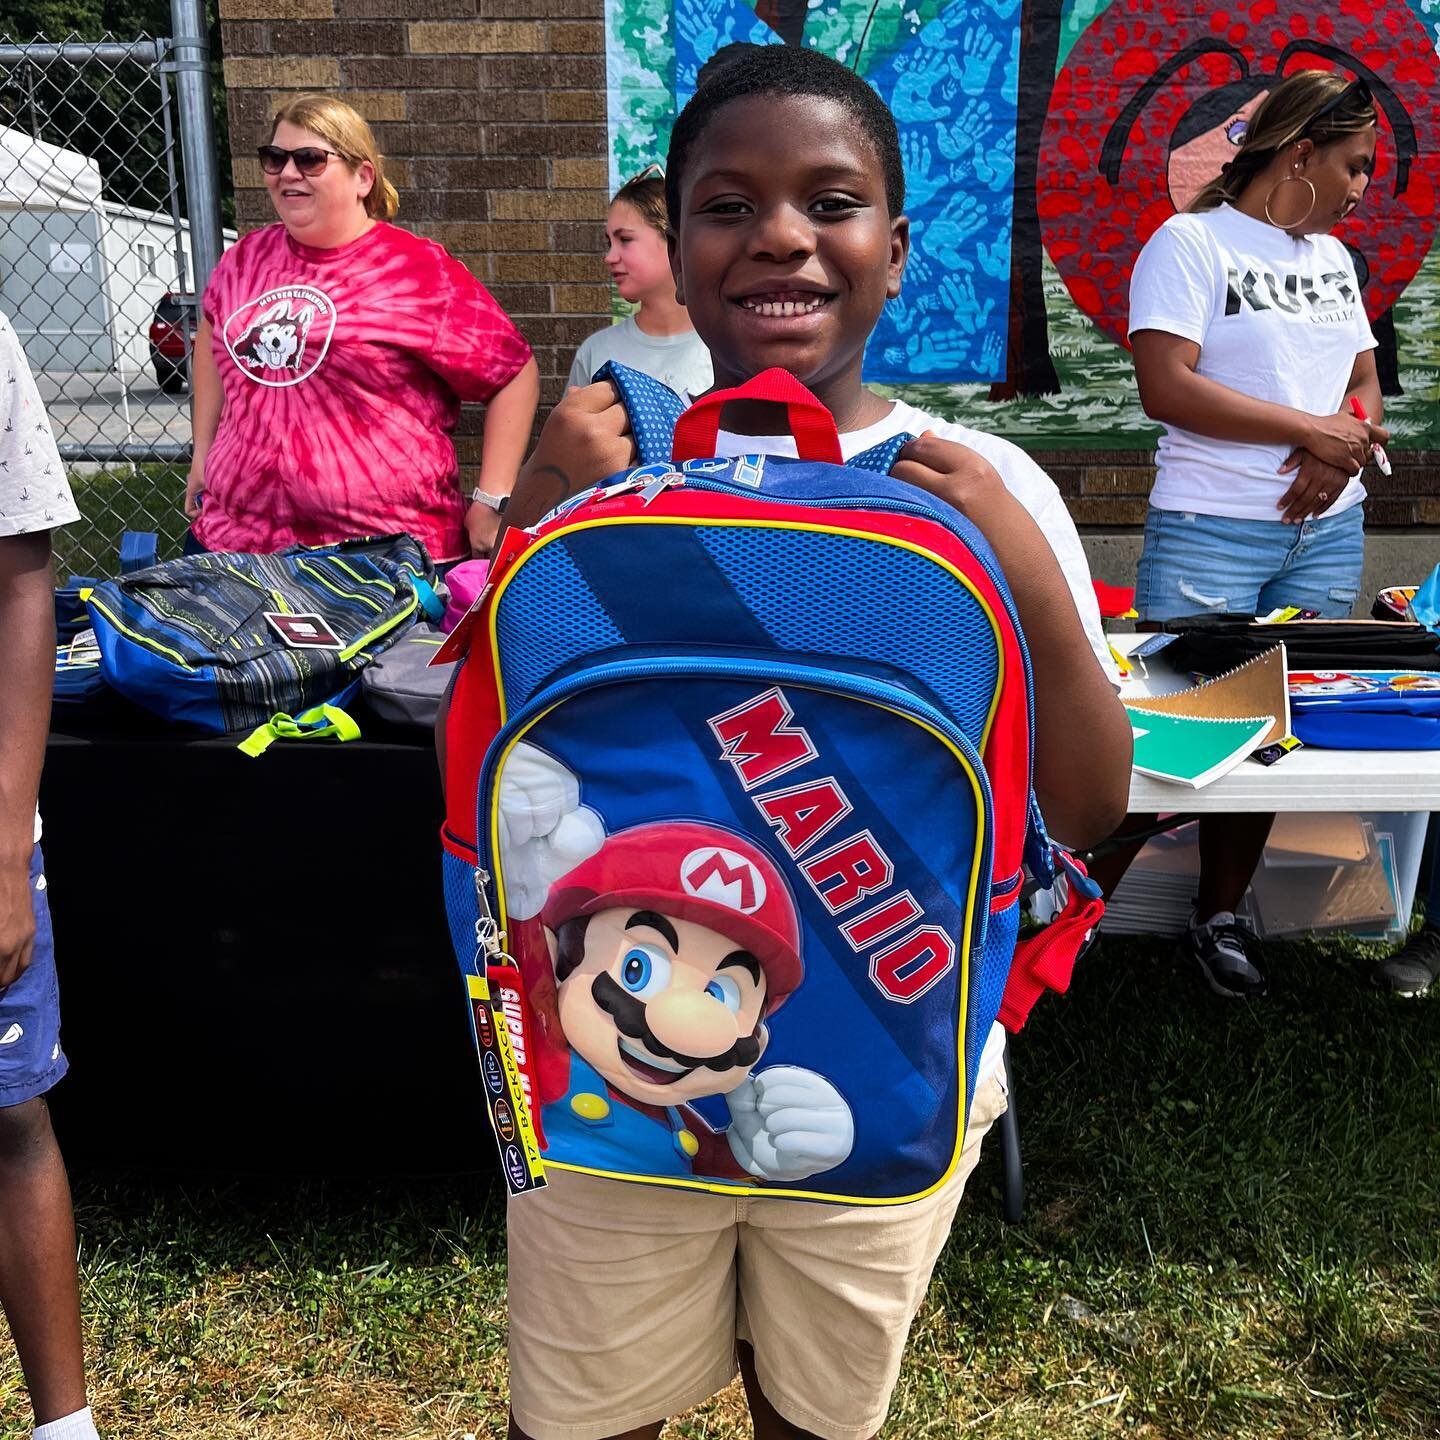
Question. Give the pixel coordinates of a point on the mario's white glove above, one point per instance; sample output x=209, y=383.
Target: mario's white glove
x=545, y=832
x=787, y=1123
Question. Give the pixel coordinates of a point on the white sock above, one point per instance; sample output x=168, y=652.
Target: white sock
x=79, y=1426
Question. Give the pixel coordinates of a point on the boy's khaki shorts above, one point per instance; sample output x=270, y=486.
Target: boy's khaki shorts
x=626, y=1300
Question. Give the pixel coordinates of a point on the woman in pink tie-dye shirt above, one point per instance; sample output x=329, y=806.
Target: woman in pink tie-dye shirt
x=333, y=354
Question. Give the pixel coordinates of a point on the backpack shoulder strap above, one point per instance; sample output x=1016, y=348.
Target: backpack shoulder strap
x=653, y=409
x=881, y=458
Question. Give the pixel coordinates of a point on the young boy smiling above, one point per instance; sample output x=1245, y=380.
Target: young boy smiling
x=628, y=1304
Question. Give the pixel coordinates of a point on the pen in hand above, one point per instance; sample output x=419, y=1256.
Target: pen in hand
x=1377, y=450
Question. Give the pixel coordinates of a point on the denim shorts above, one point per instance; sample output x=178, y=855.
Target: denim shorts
x=31, y=1060
x=1193, y=564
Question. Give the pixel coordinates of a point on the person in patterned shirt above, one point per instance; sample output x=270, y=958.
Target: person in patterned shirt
x=333, y=354
x=39, y=1290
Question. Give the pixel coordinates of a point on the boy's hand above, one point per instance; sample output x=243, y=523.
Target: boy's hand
x=586, y=438
x=17, y=921
x=951, y=472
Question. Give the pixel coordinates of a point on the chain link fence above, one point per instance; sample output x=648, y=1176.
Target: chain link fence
x=98, y=274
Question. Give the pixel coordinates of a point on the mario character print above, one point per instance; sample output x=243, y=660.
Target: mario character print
x=281, y=337
x=664, y=950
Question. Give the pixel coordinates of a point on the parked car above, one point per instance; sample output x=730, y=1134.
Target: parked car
x=172, y=333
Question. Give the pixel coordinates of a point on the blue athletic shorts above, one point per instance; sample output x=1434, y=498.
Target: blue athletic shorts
x=31, y=1060
x=1197, y=564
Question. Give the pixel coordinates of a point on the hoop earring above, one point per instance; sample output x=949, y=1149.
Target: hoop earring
x=1289, y=179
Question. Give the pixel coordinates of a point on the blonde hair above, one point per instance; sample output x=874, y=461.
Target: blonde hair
x=1305, y=105
x=345, y=128
x=645, y=194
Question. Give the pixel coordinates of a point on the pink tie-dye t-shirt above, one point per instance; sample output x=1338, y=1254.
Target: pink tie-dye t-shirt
x=343, y=371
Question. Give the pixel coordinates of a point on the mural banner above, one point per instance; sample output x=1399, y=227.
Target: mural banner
x=1044, y=142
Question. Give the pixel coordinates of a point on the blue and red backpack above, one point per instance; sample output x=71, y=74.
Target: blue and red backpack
x=738, y=792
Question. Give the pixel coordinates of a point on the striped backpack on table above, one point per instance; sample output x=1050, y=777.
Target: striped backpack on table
x=272, y=643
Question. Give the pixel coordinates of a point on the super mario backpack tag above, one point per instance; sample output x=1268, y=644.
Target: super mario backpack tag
x=738, y=797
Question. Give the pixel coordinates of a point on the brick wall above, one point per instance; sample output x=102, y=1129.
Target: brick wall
x=491, y=116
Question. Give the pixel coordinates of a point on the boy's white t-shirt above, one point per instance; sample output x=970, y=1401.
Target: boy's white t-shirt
x=34, y=490
x=1277, y=317
x=680, y=361
x=1030, y=485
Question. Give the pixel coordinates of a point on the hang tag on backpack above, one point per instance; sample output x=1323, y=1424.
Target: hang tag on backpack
x=306, y=631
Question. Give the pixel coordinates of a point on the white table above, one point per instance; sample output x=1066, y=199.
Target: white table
x=1377, y=780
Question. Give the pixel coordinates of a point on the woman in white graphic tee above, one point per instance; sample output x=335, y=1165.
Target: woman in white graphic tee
x=1251, y=343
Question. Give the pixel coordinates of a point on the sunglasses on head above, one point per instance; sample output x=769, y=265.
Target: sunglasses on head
x=1356, y=90
x=650, y=172
x=309, y=159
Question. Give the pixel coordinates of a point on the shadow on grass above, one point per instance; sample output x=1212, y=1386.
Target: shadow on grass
x=1233, y=1230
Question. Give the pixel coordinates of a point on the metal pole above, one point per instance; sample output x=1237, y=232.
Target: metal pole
x=197, y=136
x=172, y=180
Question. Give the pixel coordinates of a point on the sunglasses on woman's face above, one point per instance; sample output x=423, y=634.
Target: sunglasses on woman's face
x=309, y=159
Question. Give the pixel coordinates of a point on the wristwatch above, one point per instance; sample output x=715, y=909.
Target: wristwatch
x=497, y=503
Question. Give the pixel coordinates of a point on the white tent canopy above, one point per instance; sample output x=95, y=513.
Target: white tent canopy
x=34, y=173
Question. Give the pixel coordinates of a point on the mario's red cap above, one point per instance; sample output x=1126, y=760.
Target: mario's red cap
x=695, y=872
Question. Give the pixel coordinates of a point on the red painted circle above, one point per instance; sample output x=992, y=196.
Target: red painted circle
x=1093, y=230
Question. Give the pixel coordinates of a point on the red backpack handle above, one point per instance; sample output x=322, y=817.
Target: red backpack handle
x=813, y=426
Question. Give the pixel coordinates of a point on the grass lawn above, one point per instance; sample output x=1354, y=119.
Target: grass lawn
x=131, y=497
x=1233, y=1230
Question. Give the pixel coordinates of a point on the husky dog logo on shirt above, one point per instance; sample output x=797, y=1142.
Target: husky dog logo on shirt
x=280, y=337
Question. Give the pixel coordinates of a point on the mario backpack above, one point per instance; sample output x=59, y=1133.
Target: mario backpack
x=737, y=773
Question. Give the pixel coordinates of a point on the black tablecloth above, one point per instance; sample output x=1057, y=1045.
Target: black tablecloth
x=255, y=967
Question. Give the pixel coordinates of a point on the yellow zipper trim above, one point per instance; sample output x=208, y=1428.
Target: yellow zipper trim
x=357, y=646
x=144, y=640
x=696, y=521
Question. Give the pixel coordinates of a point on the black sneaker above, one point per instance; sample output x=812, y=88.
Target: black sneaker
x=1414, y=968
x=1223, y=950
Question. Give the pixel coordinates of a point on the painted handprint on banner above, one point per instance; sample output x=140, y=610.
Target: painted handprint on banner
x=954, y=104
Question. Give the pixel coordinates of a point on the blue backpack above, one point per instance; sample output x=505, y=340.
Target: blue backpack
x=738, y=794
x=271, y=643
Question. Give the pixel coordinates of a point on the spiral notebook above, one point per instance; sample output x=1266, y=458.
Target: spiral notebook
x=1192, y=750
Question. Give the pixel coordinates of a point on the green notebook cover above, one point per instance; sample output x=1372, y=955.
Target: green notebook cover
x=1191, y=751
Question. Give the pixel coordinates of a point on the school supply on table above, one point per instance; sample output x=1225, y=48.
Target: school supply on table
x=1366, y=709
x=1424, y=604
x=1212, y=644
x=463, y=584
x=1255, y=688
x=229, y=642
x=1190, y=749
x=1116, y=602
x=737, y=792
x=1393, y=603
